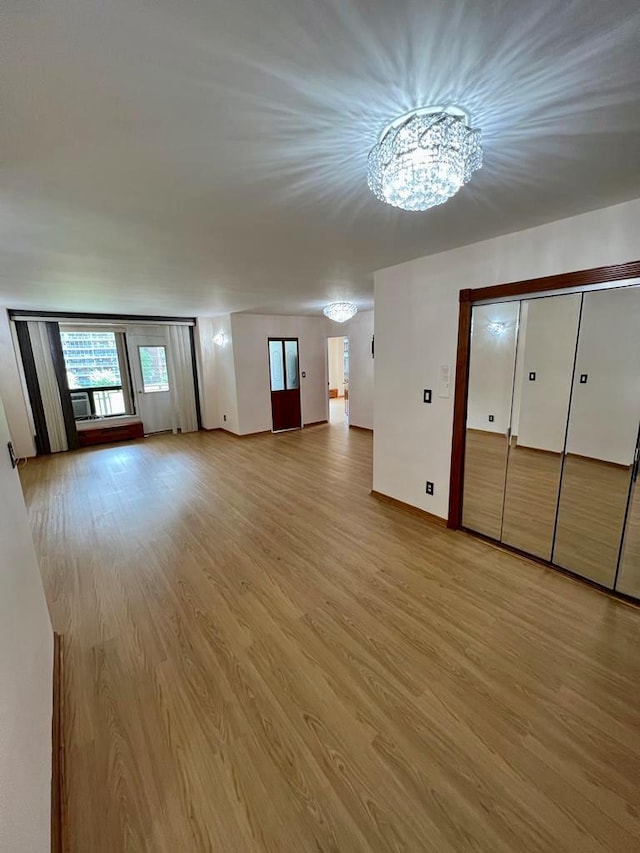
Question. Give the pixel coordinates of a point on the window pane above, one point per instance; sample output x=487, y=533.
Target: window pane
x=153, y=364
x=291, y=359
x=109, y=403
x=91, y=359
x=276, y=365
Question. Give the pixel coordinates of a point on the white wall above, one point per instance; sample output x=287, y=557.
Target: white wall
x=416, y=331
x=250, y=352
x=551, y=328
x=11, y=392
x=26, y=673
x=207, y=364
x=225, y=390
x=491, y=367
x=336, y=364
x=606, y=410
x=359, y=330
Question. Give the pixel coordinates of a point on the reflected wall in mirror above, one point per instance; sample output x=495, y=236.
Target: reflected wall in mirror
x=544, y=370
x=601, y=436
x=494, y=333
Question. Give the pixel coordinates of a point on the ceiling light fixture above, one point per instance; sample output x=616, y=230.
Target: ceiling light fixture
x=340, y=311
x=220, y=339
x=423, y=157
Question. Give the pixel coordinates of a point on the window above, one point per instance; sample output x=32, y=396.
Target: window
x=277, y=365
x=96, y=372
x=153, y=366
x=283, y=364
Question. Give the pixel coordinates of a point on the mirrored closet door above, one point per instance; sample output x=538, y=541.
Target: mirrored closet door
x=601, y=437
x=494, y=335
x=628, y=579
x=553, y=414
x=546, y=353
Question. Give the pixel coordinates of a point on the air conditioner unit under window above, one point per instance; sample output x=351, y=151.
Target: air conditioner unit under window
x=81, y=405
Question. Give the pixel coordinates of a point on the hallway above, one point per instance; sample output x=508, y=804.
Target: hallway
x=336, y=410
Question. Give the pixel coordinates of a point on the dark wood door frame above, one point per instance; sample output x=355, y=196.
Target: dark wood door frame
x=495, y=293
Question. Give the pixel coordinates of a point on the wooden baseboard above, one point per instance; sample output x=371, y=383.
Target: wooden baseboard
x=414, y=510
x=364, y=429
x=599, y=461
x=57, y=739
x=537, y=450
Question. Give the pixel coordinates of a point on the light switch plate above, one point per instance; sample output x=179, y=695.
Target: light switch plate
x=444, y=381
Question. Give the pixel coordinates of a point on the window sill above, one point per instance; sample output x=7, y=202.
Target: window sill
x=109, y=421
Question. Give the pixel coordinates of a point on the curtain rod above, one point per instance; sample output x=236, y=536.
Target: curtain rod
x=97, y=319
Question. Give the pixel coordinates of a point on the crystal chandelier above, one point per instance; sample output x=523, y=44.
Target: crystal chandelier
x=423, y=158
x=340, y=311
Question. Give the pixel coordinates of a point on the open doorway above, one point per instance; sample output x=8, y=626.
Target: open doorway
x=338, y=373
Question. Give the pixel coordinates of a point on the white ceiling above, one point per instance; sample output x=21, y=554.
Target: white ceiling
x=200, y=156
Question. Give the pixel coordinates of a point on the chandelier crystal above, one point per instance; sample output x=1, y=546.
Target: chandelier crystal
x=340, y=311
x=423, y=158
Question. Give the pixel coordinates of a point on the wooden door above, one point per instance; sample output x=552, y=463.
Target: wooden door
x=284, y=371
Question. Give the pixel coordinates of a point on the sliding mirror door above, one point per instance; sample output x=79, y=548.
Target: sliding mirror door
x=601, y=436
x=546, y=352
x=628, y=579
x=494, y=333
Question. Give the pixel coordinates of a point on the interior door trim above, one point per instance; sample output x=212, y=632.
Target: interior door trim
x=468, y=298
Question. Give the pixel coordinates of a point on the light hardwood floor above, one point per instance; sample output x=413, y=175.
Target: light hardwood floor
x=591, y=513
x=531, y=493
x=590, y=501
x=485, y=468
x=262, y=656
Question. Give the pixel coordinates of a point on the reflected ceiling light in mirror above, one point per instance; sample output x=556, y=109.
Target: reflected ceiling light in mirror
x=340, y=311
x=423, y=157
x=220, y=339
x=496, y=328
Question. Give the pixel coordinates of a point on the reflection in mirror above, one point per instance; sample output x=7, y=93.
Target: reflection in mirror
x=601, y=437
x=628, y=580
x=494, y=332
x=544, y=370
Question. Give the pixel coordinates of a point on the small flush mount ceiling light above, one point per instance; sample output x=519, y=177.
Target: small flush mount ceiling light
x=340, y=311
x=423, y=157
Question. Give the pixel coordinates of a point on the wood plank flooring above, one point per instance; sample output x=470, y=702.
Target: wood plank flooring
x=485, y=468
x=261, y=656
x=591, y=512
x=531, y=494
